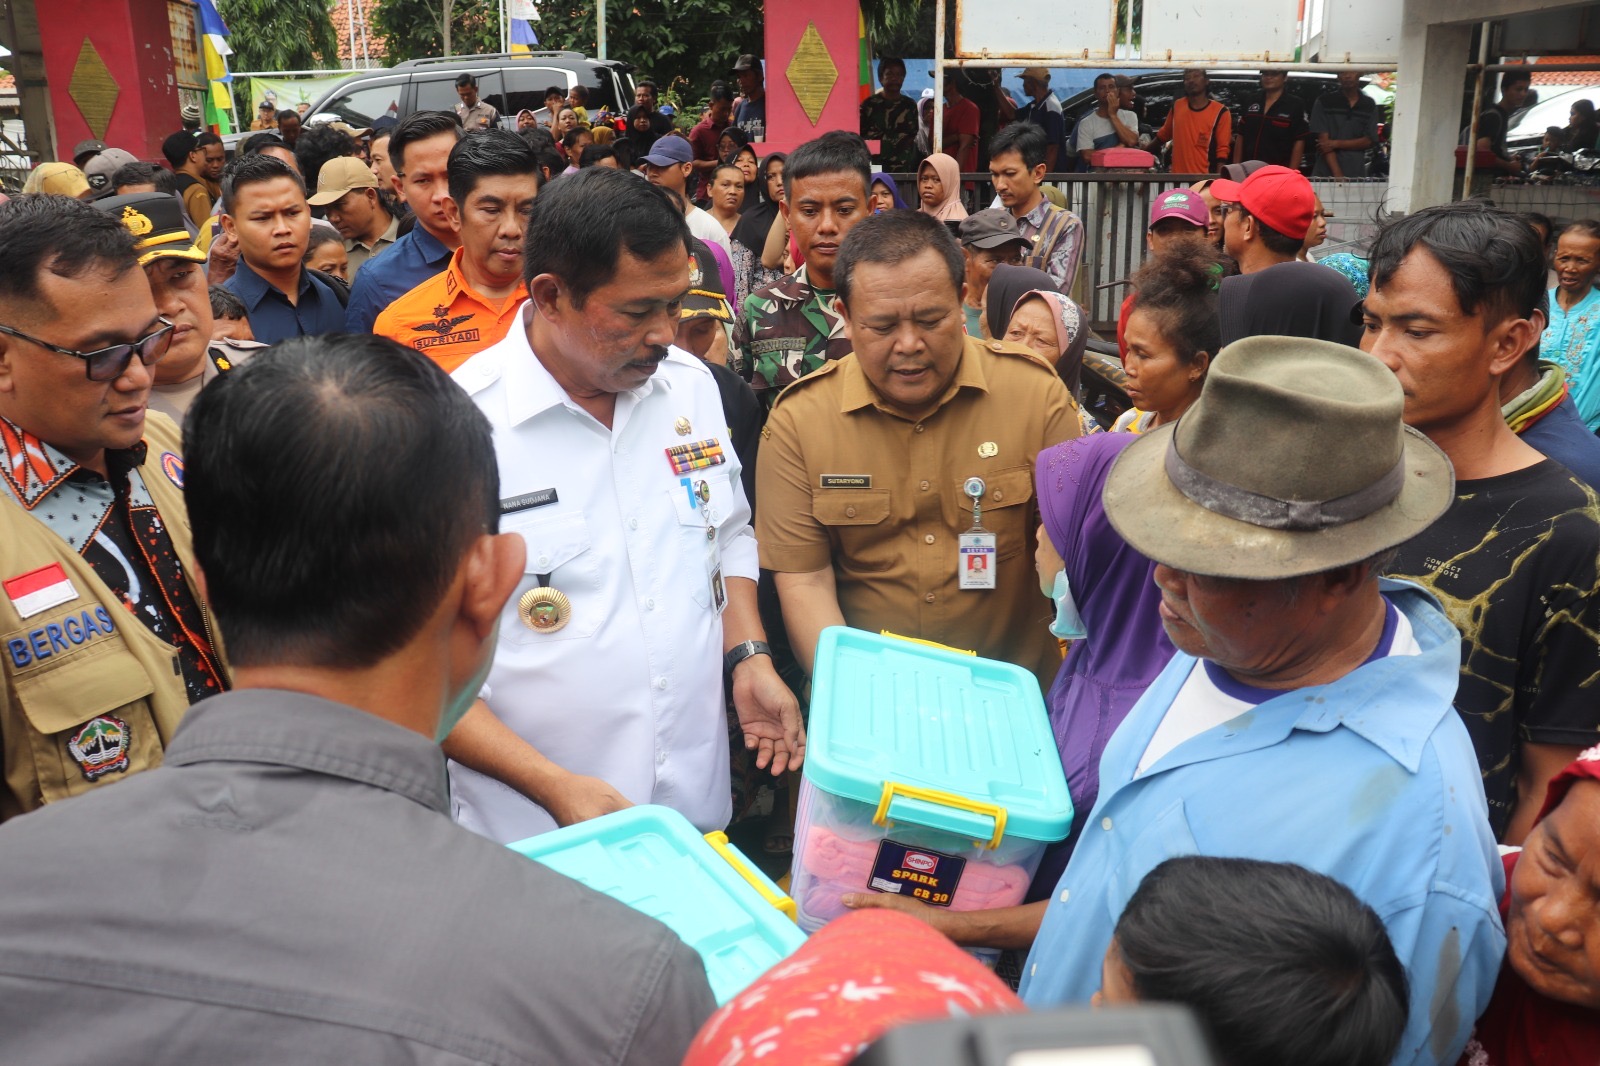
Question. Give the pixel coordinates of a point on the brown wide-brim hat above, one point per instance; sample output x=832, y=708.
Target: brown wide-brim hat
x=1294, y=460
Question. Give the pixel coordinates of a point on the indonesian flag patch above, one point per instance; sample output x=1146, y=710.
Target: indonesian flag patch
x=39, y=590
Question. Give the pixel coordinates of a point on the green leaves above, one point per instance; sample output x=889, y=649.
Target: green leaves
x=280, y=34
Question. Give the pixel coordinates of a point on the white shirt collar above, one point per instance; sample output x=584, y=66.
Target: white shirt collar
x=532, y=390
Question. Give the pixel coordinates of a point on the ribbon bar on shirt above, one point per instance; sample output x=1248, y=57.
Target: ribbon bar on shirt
x=1269, y=512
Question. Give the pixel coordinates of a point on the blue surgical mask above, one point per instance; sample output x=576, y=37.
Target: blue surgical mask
x=458, y=707
x=1067, y=624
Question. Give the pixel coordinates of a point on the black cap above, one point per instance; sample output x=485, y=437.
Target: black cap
x=746, y=62
x=990, y=228
x=87, y=148
x=156, y=220
x=707, y=298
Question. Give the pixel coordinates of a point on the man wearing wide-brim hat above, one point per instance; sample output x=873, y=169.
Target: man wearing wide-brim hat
x=1307, y=715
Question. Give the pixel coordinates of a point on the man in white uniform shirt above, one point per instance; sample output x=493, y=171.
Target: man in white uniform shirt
x=640, y=590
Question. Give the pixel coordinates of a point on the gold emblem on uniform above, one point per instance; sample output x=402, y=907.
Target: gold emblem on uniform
x=138, y=222
x=682, y=426
x=544, y=609
x=702, y=492
x=988, y=450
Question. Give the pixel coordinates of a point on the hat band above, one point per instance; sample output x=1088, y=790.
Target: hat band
x=1268, y=512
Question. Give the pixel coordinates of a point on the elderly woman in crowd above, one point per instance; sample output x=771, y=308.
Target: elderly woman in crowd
x=1546, y=1005
x=1023, y=306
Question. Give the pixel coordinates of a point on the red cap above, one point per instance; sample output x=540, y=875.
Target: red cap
x=1278, y=196
x=1585, y=766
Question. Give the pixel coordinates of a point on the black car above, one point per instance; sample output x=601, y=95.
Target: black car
x=1234, y=88
x=508, y=82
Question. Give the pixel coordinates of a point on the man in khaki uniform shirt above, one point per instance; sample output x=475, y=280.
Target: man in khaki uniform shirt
x=105, y=641
x=863, y=468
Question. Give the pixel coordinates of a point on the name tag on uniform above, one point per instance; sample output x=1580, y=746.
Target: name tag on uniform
x=528, y=500
x=847, y=481
x=977, y=553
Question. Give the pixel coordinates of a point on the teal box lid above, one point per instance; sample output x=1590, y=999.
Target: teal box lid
x=655, y=861
x=886, y=710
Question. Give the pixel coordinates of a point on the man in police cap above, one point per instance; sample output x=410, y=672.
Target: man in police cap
x=175, y=269
x=107, y=640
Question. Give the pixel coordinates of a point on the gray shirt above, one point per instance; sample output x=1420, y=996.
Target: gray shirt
x=288, y=887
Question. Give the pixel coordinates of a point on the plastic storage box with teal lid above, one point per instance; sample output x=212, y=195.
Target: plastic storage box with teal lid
x=702, y=888
x=929, y=773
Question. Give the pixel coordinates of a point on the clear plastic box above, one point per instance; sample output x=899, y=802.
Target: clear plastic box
x=929, y=773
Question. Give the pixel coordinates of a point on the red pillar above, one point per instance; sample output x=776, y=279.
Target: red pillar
x=111, y=73
x=838, y=24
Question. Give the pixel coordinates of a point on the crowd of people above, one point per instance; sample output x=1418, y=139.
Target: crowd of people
x=384, y=496
x=1338, y=131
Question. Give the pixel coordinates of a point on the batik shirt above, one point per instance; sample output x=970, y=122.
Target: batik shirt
x=1572, y=341
x=1057, y=242
x=786, y=331
x=114, y=525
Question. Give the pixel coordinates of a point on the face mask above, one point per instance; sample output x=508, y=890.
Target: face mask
x=458, y=707
x=1067, y=626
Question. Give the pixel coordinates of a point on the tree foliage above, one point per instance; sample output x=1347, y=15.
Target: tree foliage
x=415, y=29
x=280, y=34
x=684, y=45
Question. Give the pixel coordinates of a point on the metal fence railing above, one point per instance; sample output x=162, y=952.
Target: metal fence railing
x=15, y=158
x=1115, y=209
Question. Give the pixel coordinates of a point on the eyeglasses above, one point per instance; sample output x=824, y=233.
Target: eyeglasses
x=108, y=364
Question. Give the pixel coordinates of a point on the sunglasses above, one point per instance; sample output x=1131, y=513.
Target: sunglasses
x=108, y=364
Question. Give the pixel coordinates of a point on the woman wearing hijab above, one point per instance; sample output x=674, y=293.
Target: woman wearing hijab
x=939, y=186
x=749, y=237
x=885, y=195
x=1546, y=1004
x=641, y=132
x=1023, y=306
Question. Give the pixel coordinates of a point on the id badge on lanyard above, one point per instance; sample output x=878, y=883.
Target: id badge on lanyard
x=975, y=561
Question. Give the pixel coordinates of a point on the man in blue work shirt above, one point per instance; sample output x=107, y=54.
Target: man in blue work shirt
x=419, y=150
x=264, y=209
x=1307, y=715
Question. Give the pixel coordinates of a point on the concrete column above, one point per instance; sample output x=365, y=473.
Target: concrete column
x=110, y=67
x=21, y=31
x=1427, y=111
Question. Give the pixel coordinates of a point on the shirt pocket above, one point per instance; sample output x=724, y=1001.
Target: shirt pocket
x=857, y=524
x=704, y=502
x=1167, y=836
x=560, y=548
x=1005, y=514
x=89, y=716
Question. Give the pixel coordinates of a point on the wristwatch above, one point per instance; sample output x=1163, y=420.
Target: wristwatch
x=740, y=652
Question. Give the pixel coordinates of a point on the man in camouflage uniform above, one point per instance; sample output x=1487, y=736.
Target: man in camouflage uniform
x=790, y=328
x=890, y=117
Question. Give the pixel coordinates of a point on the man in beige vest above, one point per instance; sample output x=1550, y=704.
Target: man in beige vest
x=104, y=638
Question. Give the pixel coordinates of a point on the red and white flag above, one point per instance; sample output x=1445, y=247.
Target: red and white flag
x=39, y=590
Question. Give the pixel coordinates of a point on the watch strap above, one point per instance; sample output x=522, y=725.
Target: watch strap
x=740, y=652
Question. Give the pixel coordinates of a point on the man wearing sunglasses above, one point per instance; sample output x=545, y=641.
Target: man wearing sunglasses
x=104, y=637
